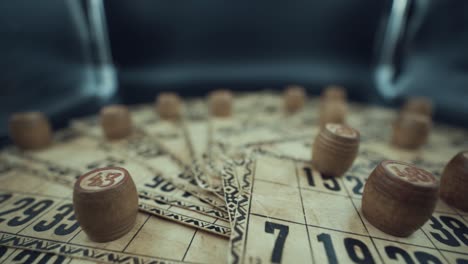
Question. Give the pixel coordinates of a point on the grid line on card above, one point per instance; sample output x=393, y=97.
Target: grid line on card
x=9, y=255
x=350, y=197
x=136, y=233
x=190, y=244
x=73, y=237
x=438, y=250
x=34, y=194
x=303, y=188
x=276, y=218
x=303, y=212
x=454, y=252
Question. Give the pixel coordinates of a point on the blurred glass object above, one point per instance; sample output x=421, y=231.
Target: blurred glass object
x=54, y=57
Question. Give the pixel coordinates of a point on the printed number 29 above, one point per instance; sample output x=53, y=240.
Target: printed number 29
x=280, y=239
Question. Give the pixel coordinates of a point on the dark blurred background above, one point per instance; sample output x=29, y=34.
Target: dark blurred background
x=69, y=57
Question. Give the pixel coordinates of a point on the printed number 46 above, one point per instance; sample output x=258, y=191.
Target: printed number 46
x=280, y=239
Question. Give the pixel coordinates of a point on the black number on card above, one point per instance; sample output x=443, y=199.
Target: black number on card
x=22, y=203
x=31, y=212
x=357, y=251
x=358, y=187
x=63, y=229
x=161, y=183
x=280, y=239
x=394, y=252
x=5, y=197
x=29, y=257
x=457, y=226
x=328, y=182
x=26, y=256
x=422, y=257
x=462, y=261
x=426, y=258
x=329, y=249
x=3, y=250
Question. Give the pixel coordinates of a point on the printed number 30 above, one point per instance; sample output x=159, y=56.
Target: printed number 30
x=280, y=239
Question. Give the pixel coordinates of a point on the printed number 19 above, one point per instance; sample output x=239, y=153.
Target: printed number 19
x=279, y=243
x=357, y=251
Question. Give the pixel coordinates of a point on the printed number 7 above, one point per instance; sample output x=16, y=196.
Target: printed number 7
x=279, y=243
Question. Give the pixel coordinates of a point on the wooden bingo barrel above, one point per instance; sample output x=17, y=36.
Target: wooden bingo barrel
x=106, y=203
x=30, y=130
x=116, y=121
x=399, y=198
x=411, y=131
x=221, y=103
x=334, y=92
x=454, y=182
x=168, y=105
x=333, y=112
x=418, y=105
x=294, y=98
x=335, y=148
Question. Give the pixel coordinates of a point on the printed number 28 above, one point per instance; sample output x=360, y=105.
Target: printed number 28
x=280, y=239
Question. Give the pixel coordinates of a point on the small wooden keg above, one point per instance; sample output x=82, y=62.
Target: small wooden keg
x=106, y=203
x=335, y=148
x=332, y=112
x=454, y=182
x=221, y=103
x=168, y=105
x=30, y=130
x=334, y=92
x=399, y=198
x=294, y=98
x=411, y=131
x=419, y=105
x=116, y=121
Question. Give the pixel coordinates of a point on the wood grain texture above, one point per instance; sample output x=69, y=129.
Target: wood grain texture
x=116, y=121
x=106, y=203
x=30, y=130
x=418, y=105
x=399, y=198
x=411, y=131
x=168, y=106
x=294, y=98
x=221, y=103
x=454, y=182
x=332, y=111
x=335, y=148
x=334, y=92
